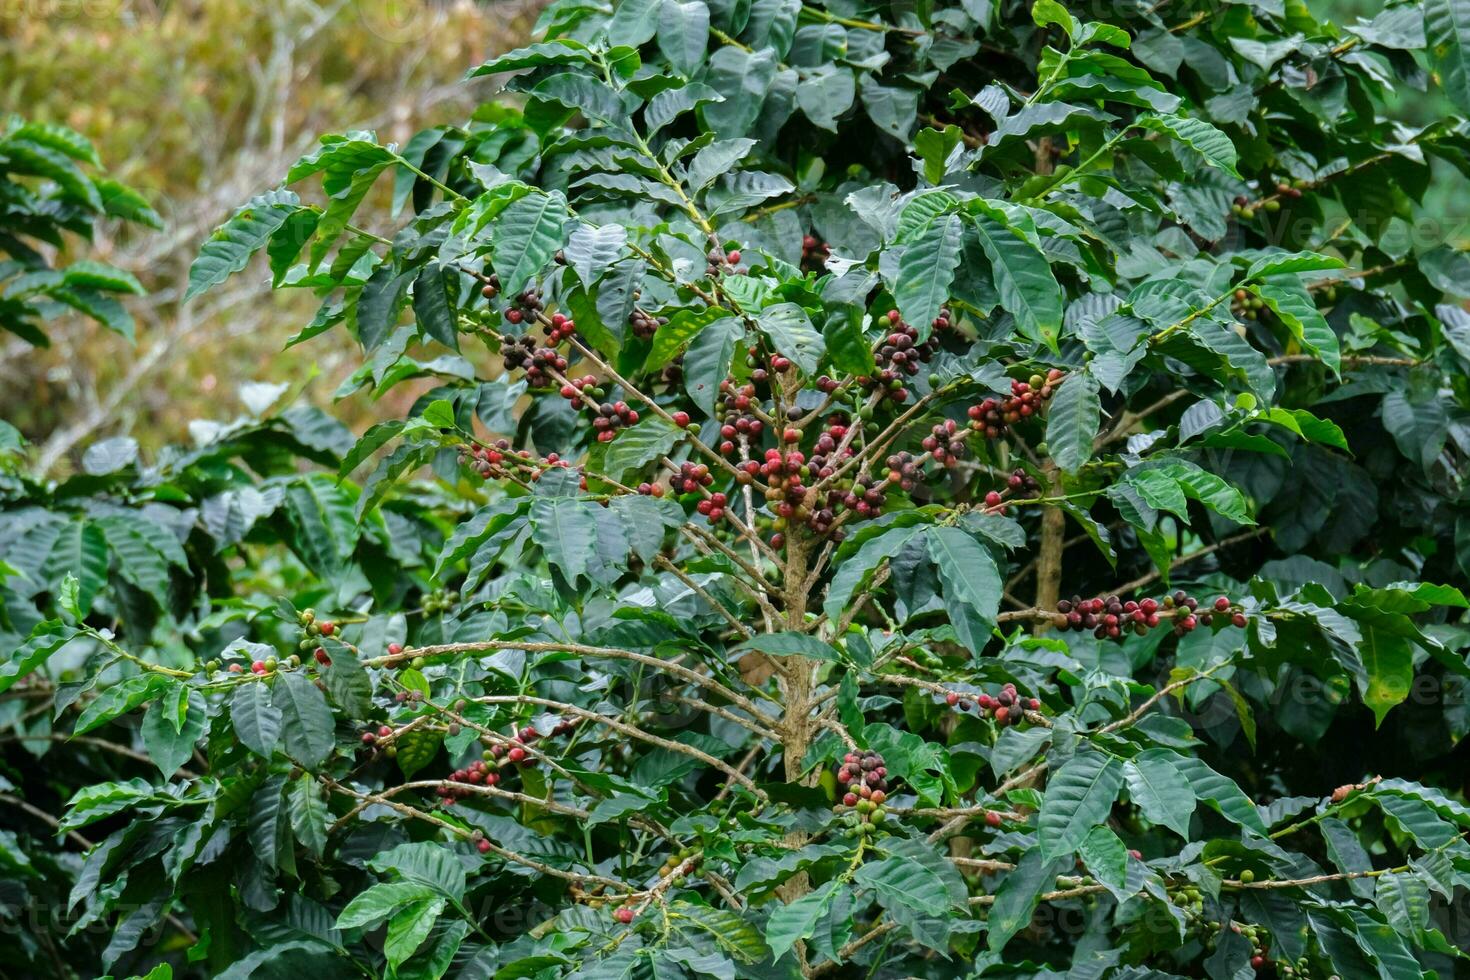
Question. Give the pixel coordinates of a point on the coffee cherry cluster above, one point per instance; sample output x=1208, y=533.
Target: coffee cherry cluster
x=905, y=470
x=1005, y=708
x=499, y=459
x=866, y=780
x=440, y=600
x=689, y=479
x=945, y=443
x=456, y=787
x=1244, y=304
x=485, y=460
x=718, y=261
x=865, y=497
x=785, y=493
x=1112, y=617
x=645, y=325
x=525, y=306
x=1241, y=207
x=814, y=254
x=901, y=353
x=523, y=352
x=713, y=507
x=311, y=630
x=821, y=462
x=610, y=417
x=1258, y=938
x=736, y=420
x=560, y=328
x=994, y=416
x=1020, y=485
x=680, y=862
x=578, y=390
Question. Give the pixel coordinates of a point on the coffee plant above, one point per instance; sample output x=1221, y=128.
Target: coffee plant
x=889, y=491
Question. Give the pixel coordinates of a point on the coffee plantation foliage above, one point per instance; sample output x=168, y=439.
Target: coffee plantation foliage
x=893, y=491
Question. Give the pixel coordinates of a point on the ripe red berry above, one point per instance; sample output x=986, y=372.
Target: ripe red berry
x=516, y=754
x=992, y=818
x=328, y=629
x=850, y=799
x=258, y=667
x=733, y=256
x=1135, y=854
x=483, y=846
x=951, y=699
x=681, y=419
x=792, y=435
x=394, y=649
x=1238, y=620
x=624, y=915
x=1222, y=604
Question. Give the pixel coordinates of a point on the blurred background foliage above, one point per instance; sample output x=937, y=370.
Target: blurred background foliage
x=198, y=104
x=201, y=103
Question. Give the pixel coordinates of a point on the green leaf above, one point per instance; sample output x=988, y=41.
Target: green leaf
x=381, y=901
x=1105, y=856
x=235, y=241
x=561, y=51
x=170, y=744
x=1290, y=263
x=707, y=361
x=1023, y=277
x=792, y=644
x=436, y=316
x=118, y=700
x=374, y=439
x=408, y=928
x=683, y=34
x=926, y=271
x=257, y=721
x=796, y=921
x=306, y=721
x=640, y=445
x=526, y=235
x=899, y=881
x=1072, y=420
x=716, y=159
x=1388, y=670
x=1221, y=793
x=80, y=550
x=46, y=639
x=1158, y=788
x=67, y=598
x=1447, y=31
x=90, y=274
x=972, y=583
x=567, y=531
x=593, y=249
x=793, y=335
x=1293, y=305
x=1016, y=898
x=100, y=800
x=1210, y=143
x=308, y=813
x=1078, y=797
x=855, y=570
x=682, y=327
